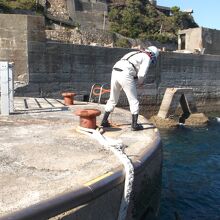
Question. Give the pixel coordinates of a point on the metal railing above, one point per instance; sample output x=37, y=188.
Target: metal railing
x=99, y=93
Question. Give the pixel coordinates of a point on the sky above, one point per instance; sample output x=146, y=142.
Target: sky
x=205, y=13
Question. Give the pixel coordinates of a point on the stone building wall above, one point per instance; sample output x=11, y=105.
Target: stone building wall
x=57, y=8
x=82, y=13
x=81, y=36
x=211, y=41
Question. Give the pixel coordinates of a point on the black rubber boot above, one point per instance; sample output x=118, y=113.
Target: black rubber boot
x=105, y=122
x=135, y=126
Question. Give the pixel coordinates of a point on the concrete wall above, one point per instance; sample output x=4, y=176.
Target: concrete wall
x=92, y=19
x=57, y=67
x=199, y=72
x=193, y=39
x=17, y=32
x=88, y=13
x=86, y=6
x=211, y=41
x=13, y=43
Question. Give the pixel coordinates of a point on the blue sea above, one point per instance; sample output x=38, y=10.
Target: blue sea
x=191, y=173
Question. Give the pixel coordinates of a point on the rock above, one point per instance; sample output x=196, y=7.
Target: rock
x=197, y=119
x=194, y=120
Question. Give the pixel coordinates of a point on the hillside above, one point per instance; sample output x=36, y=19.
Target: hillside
x=140, y=19
x=20, y=6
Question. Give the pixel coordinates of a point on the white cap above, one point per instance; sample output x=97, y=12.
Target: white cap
x=154, y=50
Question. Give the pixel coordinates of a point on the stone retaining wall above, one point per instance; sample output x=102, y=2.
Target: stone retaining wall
x=85, y=36
x=58, y=8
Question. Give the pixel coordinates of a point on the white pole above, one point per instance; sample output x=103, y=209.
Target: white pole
x=4, y=88
x=11, y=86
x=7, y=87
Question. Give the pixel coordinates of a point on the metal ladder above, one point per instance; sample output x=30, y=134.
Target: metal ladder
x=99, y=93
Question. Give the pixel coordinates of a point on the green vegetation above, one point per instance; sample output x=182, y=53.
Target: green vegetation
x=10, y=5
x=139, y=19
x=122, y=42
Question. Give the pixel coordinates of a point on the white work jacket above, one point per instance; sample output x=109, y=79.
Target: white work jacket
x=136, y=63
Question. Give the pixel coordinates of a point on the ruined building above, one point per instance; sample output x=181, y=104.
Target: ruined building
x=199, y=40
x=84, y=13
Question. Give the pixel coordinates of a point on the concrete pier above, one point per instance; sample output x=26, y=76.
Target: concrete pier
x=48, y=169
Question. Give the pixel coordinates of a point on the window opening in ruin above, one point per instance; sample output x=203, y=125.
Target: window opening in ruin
x=182, y=41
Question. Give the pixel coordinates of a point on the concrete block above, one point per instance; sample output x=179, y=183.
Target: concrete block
x=172, y=98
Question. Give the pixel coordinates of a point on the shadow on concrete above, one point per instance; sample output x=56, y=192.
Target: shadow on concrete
x=18, y=112
x=112, y=129
x=148, y=126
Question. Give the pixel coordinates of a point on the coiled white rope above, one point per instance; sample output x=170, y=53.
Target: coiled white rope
x=116, y=147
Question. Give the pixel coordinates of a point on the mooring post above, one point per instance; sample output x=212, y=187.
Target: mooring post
x=7, y=87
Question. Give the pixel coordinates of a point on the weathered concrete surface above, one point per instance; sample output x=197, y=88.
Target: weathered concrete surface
x=42, y=155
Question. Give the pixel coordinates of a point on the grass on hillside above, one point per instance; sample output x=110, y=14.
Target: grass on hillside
x=8, y=5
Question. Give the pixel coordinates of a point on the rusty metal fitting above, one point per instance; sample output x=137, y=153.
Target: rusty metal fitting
x=88, y=117
x=68, y=98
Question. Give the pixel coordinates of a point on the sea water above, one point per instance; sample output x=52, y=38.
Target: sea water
x=191, y=173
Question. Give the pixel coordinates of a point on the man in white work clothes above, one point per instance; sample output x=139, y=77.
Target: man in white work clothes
x=128, y=71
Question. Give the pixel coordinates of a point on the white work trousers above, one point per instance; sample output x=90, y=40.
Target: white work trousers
x=123, y=80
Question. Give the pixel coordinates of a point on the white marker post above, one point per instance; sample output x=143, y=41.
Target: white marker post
x=11, y=86
x=7, y=88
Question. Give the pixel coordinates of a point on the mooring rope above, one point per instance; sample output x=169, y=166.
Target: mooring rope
x=116, y=147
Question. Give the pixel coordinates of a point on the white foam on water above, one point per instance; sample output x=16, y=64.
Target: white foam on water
x=181, y=125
